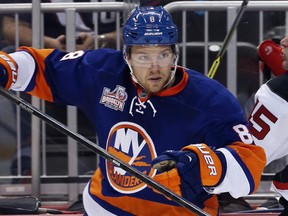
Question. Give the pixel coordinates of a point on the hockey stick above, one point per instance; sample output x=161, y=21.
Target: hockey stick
x=102, y=152
x=227, y=39
x=266, y=211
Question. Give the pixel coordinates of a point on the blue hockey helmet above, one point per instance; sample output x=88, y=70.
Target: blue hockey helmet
x=150, y=26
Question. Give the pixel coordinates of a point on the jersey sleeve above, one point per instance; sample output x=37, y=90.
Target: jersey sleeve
x=242, y=161
x=268, y=119
x=50, y=74
x=53, y=75
x=243, y=165
x=228, y=135
x=63, y=77
x=31, y=67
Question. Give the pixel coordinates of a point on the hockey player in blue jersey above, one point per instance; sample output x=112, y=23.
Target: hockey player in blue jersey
x=146, y=111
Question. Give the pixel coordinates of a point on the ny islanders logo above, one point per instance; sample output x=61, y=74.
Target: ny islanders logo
x=130, y=143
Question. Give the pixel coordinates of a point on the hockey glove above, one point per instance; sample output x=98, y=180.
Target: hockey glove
x=270, y=56
x=186, y=172
x=8, y=70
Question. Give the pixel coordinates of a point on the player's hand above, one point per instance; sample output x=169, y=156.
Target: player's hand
x=179, y=171
x=192, y=168
x=270, y=56
x=56, y=43
x=3, y=76
x=85, y=41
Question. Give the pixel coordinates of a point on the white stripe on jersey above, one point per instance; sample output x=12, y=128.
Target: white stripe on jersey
x=235, y=181
x=91, y=207
x=26, y=69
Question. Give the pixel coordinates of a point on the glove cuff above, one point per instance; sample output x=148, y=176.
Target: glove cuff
x=10, y=66
x=209, y=163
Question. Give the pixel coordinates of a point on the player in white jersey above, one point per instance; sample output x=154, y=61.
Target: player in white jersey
x=269, y=118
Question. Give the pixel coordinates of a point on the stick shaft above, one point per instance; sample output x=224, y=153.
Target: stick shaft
x=102, y=152
x=227, y=39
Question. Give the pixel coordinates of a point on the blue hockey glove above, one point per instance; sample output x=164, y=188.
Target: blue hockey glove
x=192, y=168
x=187, y=171
x=3, y=76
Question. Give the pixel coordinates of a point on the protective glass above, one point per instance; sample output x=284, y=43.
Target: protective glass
x=144, y=60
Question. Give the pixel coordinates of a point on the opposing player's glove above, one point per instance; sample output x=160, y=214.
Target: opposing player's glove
x=270, y=56
x=8, y=70
x=186, y=172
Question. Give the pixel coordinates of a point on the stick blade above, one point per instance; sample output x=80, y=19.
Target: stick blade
x=19, y=205
x=214, y=68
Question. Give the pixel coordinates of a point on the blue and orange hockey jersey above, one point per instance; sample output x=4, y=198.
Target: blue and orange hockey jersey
x=136, y=126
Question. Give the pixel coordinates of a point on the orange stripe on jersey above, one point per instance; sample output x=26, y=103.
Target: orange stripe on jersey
x=253, y=157
x=138, y=206
x=212, y=205
x=210, y=164
x=41, y=89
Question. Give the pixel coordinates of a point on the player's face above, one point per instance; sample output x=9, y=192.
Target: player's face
x=152, y=66
x=284, y=44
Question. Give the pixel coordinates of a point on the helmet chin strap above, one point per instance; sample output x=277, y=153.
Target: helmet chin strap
x=131, y=72
x=133, y=76
x=172, y=74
